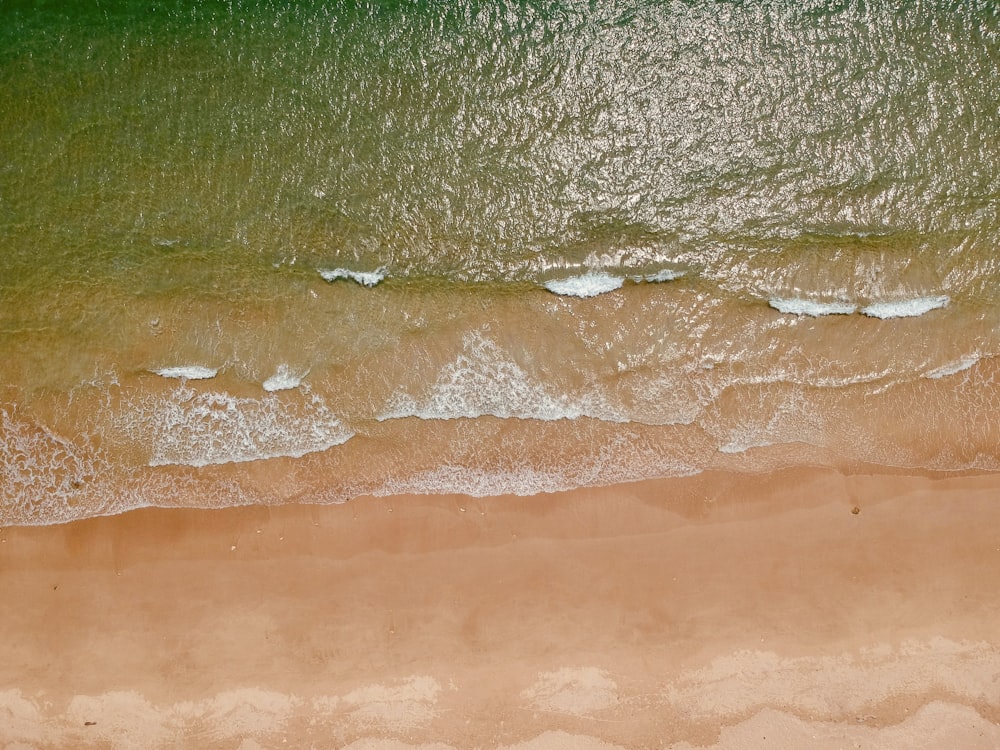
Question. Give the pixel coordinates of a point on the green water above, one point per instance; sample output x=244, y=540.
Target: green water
x=176, y=144
x=175, y=176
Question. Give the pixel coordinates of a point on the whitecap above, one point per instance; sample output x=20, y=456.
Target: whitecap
x=964, y=363
x=283, y=380
x=796, y=306
x=587, y=285
x=365, y=278
x=665, y=274
x=906, y=308
x=188, y=372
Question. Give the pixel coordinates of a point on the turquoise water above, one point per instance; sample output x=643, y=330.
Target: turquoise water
x=606, y=241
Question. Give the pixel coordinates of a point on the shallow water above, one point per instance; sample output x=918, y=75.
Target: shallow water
x=253, y=254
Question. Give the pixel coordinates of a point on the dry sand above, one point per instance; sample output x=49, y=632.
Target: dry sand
x=805, y=608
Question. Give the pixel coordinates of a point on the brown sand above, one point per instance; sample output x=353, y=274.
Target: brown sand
x=721, y=610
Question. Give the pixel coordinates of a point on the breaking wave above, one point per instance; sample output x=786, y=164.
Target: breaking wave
x=197, y=429
x=187, y=372
x=483, y=380
x=587, y=285
x=364, y=278
x=812, y=308
x=907, y=308
x=285, y=379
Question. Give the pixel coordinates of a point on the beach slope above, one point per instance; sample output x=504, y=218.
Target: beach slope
x=806, y=608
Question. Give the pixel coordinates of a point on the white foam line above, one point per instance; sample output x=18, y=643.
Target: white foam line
x=793, y=306
x=283, y=380
x=189, y=372
x=365, y=278
x=586, y=285
x=952, y=368
x=907, y=308
x=666, y=274
x=216, y=428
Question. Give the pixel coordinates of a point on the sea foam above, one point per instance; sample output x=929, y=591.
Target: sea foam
x=625, y=457
x=44, y=477
x=365, y=278
x=188, y=372
x=199, y=429
x=665, y=274
x=476, y=482
x=283, y=380
x=586, y=285
x=907, y=308
x=484, y=380
x=964, y=363
x=796, y=306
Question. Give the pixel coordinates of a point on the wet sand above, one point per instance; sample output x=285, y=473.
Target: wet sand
x=803, y=608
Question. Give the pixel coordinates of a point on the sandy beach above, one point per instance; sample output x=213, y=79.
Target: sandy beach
x=805, y=608
x=504, y=376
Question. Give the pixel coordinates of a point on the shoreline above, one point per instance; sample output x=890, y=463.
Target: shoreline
x=652, y=614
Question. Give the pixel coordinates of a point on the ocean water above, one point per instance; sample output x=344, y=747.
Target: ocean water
x=254, y=253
